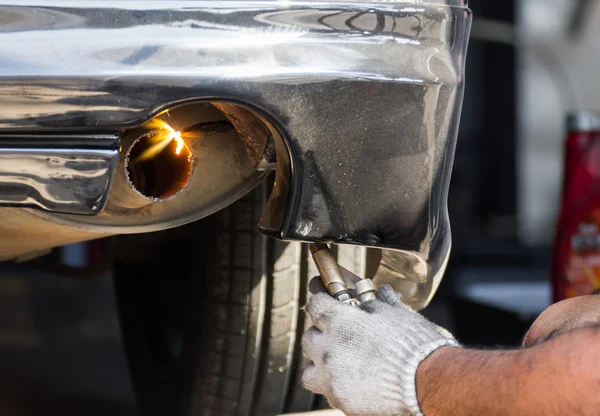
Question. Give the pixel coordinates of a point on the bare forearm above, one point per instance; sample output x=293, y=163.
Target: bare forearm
x=556, y=378
x=455, y=381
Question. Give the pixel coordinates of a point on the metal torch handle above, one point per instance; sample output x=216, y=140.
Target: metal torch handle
x=332, y=276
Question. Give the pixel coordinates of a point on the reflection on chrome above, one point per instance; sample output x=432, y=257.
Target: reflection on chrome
x=365, y=96
x=50, y=175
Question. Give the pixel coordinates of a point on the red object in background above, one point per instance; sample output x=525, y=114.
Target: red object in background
x=576, y=259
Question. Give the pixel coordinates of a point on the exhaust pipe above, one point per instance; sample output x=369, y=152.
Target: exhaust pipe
x=57, y=173
x=158, y=168
x=182, y=165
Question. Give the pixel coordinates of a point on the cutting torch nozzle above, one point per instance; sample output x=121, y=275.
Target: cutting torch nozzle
x=333, y=278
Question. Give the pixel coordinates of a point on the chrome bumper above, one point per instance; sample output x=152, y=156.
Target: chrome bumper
x=57, y=173
x=366, y=97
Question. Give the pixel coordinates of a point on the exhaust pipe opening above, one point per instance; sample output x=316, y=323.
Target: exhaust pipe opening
x=187, y=162
x=158, y=163
x=158, y=166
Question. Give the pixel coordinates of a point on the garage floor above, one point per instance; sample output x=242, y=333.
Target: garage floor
x=60, y=350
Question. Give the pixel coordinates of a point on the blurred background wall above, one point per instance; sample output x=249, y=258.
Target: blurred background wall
x=557, y=71
x=530, y=62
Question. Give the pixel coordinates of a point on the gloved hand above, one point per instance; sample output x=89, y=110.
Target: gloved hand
x=365, y=359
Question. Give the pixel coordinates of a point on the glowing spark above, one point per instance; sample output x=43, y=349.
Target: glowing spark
x=163, y=136
x=180, y=143
x=160, y=124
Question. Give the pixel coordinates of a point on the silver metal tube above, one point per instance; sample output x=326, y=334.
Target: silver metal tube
x=365, y=290
x=330, y=272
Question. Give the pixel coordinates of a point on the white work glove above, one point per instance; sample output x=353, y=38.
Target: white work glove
x=365, y=359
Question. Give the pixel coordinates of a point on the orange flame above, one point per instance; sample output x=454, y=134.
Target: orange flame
x=163, y=136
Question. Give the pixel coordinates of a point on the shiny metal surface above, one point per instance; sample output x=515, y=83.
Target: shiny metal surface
x=365, y=290
x=366, y=96
x=330, y=272
x=336, y=278
x=583, y=121
x=222, y=173
x=56, y=174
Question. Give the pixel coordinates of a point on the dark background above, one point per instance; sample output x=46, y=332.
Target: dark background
x=494, y=286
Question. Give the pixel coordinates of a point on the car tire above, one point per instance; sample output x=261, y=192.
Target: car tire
x=211, y=316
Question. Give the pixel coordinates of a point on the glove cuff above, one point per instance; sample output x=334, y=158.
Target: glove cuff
x=408, y=378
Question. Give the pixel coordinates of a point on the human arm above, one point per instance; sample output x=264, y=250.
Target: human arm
x=564, y=316
x=559, y=377
x=363, y=361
